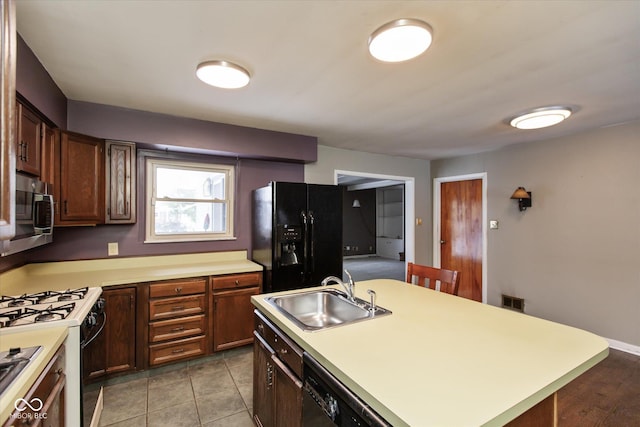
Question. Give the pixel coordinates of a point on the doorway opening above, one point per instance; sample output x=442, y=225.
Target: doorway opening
x=378, y=224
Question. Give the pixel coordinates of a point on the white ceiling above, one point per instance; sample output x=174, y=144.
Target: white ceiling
x=312, y=73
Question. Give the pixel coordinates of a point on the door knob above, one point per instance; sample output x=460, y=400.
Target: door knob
x=442, y=242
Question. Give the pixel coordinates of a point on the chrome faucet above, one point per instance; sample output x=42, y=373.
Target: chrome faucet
x=349, y=288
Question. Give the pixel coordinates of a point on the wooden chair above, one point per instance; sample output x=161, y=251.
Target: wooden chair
x=449, y=279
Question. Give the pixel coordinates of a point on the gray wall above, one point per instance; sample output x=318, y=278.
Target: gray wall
x=574, y=256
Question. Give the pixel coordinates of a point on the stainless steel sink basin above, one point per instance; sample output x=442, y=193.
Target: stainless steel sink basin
x=324, y=308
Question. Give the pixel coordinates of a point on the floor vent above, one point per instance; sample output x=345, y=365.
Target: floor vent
x=513, y=303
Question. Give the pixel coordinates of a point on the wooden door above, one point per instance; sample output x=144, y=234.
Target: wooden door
x=81, y=161
x=233, y=318
x=120, y=180
x=288, y=396
x=461, y=234
x=114, y=350
x=263, y=382
x=28, y=148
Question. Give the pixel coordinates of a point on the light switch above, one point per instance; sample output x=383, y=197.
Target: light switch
x=493, y=224
x=112, y=248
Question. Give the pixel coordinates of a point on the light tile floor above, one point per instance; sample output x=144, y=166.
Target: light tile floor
x=212, y=392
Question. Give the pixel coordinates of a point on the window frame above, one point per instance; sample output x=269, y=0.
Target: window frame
x=229, y=170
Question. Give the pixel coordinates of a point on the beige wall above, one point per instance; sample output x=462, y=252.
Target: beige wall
x=574, y=256
x=331, y=159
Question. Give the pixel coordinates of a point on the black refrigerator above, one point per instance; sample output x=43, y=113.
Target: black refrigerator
x=297, y=234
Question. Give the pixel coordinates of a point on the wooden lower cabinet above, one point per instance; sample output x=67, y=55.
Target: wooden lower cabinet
x=231, y=309
x=232, y=318
x=114, y=350
x=49, y=388
x=277, y=384
x=177, y=320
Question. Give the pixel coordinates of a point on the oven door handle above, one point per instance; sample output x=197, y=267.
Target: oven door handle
x=86, y=342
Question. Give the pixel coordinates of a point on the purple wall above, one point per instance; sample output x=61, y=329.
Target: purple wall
x=75, y=243
x=35, y=84
x=164, y=131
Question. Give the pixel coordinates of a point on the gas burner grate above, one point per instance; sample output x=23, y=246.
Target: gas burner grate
x=28, y=315
x=9, y=316
x=68, y=295
x=21, y=301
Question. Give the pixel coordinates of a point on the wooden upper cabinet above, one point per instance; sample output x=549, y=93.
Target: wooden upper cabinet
x=81, y=180
x=29, y=128
x=50, y=138
x=120, y=182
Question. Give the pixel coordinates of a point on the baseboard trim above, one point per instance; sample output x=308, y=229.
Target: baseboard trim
x=623, y=346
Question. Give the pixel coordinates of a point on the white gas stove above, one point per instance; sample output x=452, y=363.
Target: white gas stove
x=81, y=310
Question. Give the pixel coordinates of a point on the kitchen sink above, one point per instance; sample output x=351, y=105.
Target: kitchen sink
x=324, y=309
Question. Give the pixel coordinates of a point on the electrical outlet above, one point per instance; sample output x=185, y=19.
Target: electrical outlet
x=112, y=248
x=493, y=224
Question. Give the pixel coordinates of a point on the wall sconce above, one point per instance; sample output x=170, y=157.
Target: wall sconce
x=523, y=197
x=356, y=203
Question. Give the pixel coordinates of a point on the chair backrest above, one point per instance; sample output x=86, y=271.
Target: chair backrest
x=449, y=279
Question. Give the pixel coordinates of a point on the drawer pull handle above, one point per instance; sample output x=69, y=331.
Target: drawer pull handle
x=178, y=329
x=59, y=371
x=261, y=327
x=179, y=350
x=237, y=282
x=178, y=290
x=177, y=308
x=283, y=351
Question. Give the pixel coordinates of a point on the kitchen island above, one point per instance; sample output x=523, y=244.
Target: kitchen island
x=444, y=360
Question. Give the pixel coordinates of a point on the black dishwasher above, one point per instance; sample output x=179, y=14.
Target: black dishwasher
x=328, y=402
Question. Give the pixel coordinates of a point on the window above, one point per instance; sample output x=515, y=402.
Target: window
x=188, y=201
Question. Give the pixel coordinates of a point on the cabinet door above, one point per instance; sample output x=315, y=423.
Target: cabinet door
x=233, y=318
x=263, y=381
x=114, y=350
x=50, y=137
x=288, y=396
x=120, y=182
x=81, y=179
x=28, y=148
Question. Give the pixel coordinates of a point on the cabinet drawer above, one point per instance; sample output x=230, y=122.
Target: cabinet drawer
x=173, y=307
x=236, y=280
x=176, y=328
x=177, y=288
x=177, y=350
x=286, y=350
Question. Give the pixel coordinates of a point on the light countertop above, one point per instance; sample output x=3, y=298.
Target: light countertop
x=444, y=360
x=50, y=339
x=119, y=271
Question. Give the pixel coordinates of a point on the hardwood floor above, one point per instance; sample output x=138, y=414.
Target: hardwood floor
x=606, y=395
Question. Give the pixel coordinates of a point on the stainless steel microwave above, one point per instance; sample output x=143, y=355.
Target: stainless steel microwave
x=33, y=215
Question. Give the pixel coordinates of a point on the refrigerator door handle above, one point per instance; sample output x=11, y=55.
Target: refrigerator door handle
x=305, y=239
x=311, y=240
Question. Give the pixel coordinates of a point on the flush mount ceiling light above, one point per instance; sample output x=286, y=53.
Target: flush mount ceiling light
x=541, y=117
x=400, y=40
x=223, y=74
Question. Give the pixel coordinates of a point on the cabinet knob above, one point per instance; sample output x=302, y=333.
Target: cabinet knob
x=283, y=351
x=237, y=282
x=178, y=290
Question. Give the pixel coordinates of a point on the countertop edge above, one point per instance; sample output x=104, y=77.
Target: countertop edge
x=51, y=339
